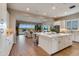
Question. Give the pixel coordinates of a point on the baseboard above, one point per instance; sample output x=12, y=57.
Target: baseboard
x=75, y=41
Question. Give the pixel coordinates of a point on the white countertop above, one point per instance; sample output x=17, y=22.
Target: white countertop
x=52, y=34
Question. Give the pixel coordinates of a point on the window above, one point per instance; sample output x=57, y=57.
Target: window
x=68, y=25
x=72, y=25
x=45, y=27
x=27, y=26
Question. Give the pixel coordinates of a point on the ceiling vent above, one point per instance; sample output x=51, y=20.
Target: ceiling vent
x=73, y=6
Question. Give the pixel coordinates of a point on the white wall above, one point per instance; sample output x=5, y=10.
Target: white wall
x=12, y=24
x=6, y=42
x=62, y=21
x=3, y=15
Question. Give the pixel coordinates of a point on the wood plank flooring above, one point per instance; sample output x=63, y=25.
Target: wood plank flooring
x=70, y=51
x=25, y=47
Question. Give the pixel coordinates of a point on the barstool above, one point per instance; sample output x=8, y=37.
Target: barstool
x=35, y=39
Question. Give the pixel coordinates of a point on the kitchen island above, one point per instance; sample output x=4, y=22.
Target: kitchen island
x=54, y=42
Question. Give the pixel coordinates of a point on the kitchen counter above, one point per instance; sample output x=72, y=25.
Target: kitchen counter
x=53, y=35
x=54, y=42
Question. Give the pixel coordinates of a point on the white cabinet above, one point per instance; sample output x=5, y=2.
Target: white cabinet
x=45, y=43
x=2, y=46
x=64, y=41
x=60, y=43
x=54, y=44
x=75, y=36
x=8, y=44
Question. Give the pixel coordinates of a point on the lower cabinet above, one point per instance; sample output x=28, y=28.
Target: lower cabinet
x=6, y=46
x=54, y=44
x=44, y=43
x=75, y=36
x=61, y=43
x=64, y=42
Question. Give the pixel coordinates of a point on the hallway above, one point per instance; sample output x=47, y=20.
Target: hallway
x=25, y=47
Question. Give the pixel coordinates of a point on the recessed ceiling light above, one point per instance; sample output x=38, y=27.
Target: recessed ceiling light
x=44, y=13
x=53, y=8
x=55, y=16
x=27, y=9
x=65, y=13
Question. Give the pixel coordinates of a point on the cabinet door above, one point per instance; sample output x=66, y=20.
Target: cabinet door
x=2, y=46
x=76, y=36
x=54, y=45
x=66, y=41
x=8, y=45
x=45, y=43
x=61, y=42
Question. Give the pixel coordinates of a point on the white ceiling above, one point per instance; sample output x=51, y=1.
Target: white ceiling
x=62, y=9
x=31, y=19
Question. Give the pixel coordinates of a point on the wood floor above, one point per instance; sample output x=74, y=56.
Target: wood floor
x=70, y=51
x=25, y=47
